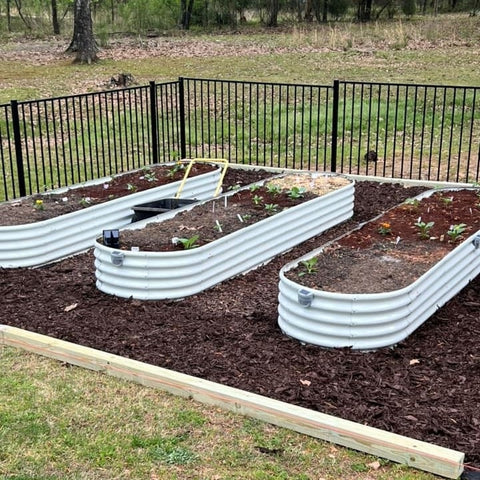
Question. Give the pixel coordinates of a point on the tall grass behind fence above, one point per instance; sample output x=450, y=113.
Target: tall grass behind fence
x=417, y=131
x=253, y=123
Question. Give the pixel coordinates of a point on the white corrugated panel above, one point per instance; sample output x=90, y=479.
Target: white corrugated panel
x=49, y=240
x=370, y=321
x=159, y=275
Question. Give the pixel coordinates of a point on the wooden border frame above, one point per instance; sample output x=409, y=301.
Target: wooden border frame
x=414, y=453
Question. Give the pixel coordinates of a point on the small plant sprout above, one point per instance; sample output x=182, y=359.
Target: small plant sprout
x=257, y=200
x=131, y=187
x=38, y=205
x=271, y=208
x=309, y=266
x=85, y=202
x=243, y=218
x=446, y=200
x=455, y=231
x=150, y=177
x=254, y=187
x=296, y=192
x=385, y=228
x=424, y=228
x=273, y=189
x=412, y=202
x=234, y=187
x=189, y=243
x=176, y=168
x=218, y=226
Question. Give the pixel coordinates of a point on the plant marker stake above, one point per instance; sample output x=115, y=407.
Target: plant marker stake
x=240, y=217
x=226, y=200
x=213, y=207
x=219, y=227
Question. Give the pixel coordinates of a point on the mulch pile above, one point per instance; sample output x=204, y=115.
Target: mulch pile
x=426, y=387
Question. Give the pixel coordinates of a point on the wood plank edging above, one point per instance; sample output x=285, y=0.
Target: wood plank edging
x=414, y=453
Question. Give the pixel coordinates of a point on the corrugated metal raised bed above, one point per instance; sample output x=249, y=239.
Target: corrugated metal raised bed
x=49, y=240
x=175, y=274
x=372, y=320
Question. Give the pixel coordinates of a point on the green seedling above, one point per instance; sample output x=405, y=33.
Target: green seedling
x=424, y=228
x=254, y=187
x=271, y=208
x=178, y=167
x=310, y=267
x=446, y=200
x=244, y=218
x=150, y=177
x=189, y=243
x=455, y=231
x=412, y=202
x=85, y=202
x=257, y=200
x=273, y=189
x=131, y=188
x=296, y=192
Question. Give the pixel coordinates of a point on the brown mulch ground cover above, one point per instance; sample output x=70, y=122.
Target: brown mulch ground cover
x=426, y=387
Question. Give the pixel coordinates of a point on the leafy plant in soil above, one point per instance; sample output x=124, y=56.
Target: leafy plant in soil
x=394, y=250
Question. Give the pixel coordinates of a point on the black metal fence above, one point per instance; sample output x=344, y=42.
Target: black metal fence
x=390, y=130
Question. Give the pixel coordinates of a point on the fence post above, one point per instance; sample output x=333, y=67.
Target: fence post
x=336, y=94
x=154, y=121
x=17, y=138
x=181, y=107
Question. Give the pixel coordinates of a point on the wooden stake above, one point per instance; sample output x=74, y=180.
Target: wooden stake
x=414, y=453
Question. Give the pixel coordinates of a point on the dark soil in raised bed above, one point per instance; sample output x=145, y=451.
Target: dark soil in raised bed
x=426, y=387
x=43, y=206
x=391, y=252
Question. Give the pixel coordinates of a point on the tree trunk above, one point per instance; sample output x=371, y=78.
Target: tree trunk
x=83, y=42
x=273, y=9
x=55, y=23
x=9, y=18
x=364, y=13
x=186, y=15
x=325, y=11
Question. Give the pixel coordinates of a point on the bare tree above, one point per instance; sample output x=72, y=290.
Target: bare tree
x=83, y=41
x=9, y=17
x=55, y=23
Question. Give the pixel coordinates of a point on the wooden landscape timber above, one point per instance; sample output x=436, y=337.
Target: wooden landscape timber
x=414, y=453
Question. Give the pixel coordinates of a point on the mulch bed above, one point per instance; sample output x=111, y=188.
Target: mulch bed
x=426, y=387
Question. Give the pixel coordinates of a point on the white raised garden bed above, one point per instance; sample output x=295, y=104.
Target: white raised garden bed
x=370, y=321
x=176, y=274
x=49, y=240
